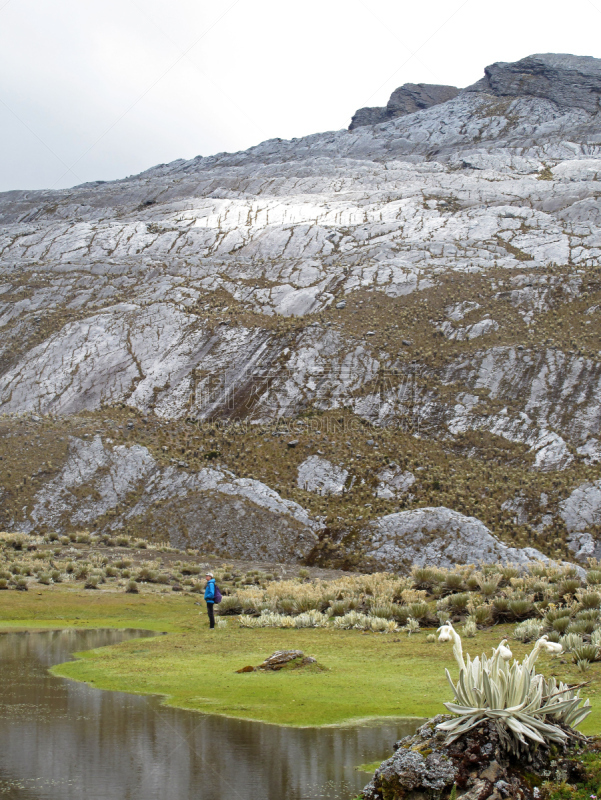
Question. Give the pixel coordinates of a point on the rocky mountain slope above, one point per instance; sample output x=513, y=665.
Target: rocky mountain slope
x=413, y=305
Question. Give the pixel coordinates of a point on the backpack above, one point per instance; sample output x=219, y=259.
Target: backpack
x=218, y=595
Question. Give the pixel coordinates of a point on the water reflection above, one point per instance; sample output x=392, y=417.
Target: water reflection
x=67, y=741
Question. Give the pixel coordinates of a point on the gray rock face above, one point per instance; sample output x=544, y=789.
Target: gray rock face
x=319, y=475
x=439, y=536
x=210, y=509
x=407, y=99
x=570, y=81
x=581, y=511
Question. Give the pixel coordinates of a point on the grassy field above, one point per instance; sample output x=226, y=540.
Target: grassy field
x=367, y=674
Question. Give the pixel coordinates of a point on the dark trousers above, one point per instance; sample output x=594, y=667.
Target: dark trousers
x=211, y=615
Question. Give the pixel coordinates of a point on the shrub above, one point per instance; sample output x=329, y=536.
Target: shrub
x=21, y=584
x=191, y=569
x=354, y=619
x=45, y=578
x=229, y=605
x=586, y=652
x=482, y=615
x=383, y=610
x=524, y=707
x=17, y=542
x=123, y=541
x=338, y=608
x=520, y=608
x=380, y=625
x=557, y=613
x=146, y=575
x=561, y=625
x=593, y=577
x=412, y=626
x=470, y=628
x=423, y=577
x=571, y=641
x=132, y=587
x=401, y=613
x=458, y=602
x=82, y=538
x=56, y=576
x=303, y=573
x=419, y=610
x=509, y=571
x=501, y=606
x=528, y=630
x=569, y=587
x=590, y=600
x=582, y=626
x=92, y=582
x=453, y=582
x=3, y=583
x=311, y=619
x=287, y=605
x=221, y=623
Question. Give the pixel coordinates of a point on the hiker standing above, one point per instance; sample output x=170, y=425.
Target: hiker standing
x=210, y=598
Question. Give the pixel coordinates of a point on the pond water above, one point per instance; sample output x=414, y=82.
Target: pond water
x=62, y=740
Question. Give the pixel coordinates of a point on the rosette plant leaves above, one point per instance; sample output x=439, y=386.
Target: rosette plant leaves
x=525, y=707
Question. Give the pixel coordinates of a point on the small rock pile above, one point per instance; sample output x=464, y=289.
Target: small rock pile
x=476, y=764
x=281, y=659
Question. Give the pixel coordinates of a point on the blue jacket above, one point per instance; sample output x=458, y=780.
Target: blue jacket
x=210, y=591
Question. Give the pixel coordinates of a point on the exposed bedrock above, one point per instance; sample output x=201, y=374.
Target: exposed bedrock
x=406, y=99
x=570, y=81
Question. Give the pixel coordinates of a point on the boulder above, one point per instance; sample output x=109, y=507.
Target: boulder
x=438, y=536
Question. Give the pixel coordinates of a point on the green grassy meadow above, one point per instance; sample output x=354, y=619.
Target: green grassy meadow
x=367, y=675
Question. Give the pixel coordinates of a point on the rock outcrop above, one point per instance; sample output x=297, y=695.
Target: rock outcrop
x=476, y=764
x=407, y=99
x=567, y=80
x=211, y=509
x=438, y=536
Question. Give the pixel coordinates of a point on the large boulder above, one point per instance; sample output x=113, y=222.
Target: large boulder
x=570, y=81
x=439, y=536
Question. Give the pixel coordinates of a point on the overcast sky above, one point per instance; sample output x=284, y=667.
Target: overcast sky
x=101, y=89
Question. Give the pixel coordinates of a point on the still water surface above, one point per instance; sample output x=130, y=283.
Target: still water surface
x=62, y=740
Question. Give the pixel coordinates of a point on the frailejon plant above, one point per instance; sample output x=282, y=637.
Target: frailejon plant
x=524, y=706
